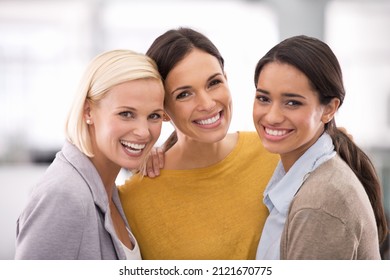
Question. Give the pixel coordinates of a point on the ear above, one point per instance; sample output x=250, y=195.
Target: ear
x=330, y=110
x=87, y=112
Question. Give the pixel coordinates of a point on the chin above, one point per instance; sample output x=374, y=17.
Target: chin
x=132, y=164
x=272, y=149
x=219, y=136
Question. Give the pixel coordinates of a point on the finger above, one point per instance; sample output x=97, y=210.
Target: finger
x=149, y=167
x=160, y=155
x=156, y=163
x=151, y=173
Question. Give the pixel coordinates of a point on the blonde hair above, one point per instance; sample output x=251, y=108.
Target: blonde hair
x=104, y=72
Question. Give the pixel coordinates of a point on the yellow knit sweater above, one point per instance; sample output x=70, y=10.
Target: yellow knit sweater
x=206, y=213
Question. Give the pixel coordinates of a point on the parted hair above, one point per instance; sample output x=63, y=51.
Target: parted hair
x=316, y=60
x=173, y=46
x=105, y=71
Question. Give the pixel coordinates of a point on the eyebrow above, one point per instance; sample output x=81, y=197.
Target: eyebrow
x=126, y=108
x=259, y=90
x=188, y=87
x=287, y=94
x=134, y=109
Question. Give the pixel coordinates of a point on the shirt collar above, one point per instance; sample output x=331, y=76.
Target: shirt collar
x=283, y=186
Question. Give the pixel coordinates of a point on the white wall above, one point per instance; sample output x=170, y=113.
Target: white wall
x=358, y=32
x=45, y=45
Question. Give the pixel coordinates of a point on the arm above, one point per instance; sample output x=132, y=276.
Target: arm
x=51, y=226
x=315, y=234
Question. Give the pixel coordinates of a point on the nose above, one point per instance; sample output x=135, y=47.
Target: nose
x=205, y=101
x=274, y=114
x=141, y=129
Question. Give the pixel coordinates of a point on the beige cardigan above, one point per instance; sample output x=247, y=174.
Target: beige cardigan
x=330, y=217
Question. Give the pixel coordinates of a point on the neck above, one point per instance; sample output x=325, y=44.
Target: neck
x=287, y=162
x=289, y=159
x=108, y=173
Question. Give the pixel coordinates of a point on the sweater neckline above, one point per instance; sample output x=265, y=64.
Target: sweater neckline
x=210, y=168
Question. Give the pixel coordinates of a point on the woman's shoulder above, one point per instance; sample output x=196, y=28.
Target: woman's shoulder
x=250, y=139
x=250, y=143
x=60, y=192
x=332, y=187
x=249, y=135
x=335, y=172
x=61, y=181
x=138, y=181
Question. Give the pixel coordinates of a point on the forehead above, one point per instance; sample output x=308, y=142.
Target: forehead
x=283, y=77
x=140, y=91
x=196, y=64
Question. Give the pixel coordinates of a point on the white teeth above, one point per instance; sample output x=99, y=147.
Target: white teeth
x=210, y=120
x=133, y=146
x=275, y=132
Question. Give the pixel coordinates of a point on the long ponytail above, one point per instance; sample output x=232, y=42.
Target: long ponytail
x=317, y=61
x=363, y=168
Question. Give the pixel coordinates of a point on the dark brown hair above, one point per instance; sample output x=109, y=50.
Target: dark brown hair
x=173, y=46
x=317, y=61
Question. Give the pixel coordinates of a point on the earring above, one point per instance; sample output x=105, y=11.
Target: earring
x=88, y=121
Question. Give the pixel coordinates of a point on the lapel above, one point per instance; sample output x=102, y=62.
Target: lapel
x=88, y=172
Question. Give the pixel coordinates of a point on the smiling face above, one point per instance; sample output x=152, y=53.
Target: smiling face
x=287, y=112
x=126, y=123
x=198, y=99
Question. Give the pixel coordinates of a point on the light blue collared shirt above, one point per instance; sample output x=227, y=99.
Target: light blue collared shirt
x=282, y=188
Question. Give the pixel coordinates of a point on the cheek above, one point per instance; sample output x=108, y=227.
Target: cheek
x=180, y=112
x=310, y=122
x=230, y=103
x=155, y=130
x=101, y=127
x=170, y=109
x=110, y=129
x=258, y=112
x=226, y=97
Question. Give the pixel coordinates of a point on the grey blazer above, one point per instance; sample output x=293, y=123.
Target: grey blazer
x=330, y=218
x=67, y=216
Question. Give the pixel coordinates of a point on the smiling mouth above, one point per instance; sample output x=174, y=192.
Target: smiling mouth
x=276, y=132
x=133, y=148
x=209, y=121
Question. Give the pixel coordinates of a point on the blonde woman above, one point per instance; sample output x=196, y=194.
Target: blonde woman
x=74, y=211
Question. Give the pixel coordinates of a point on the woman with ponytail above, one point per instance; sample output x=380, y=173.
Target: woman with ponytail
x=325, y=198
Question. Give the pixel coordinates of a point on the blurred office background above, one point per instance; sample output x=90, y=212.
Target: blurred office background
x=46, y=44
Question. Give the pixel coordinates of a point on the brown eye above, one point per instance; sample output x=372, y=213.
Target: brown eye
x=182, y=95
x=215, y=82
x=154, y=116
x=293, y=103
x=262, y=98
x=126, y=114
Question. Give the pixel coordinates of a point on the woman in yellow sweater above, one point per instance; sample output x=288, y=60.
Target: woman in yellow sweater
x=207, y=201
